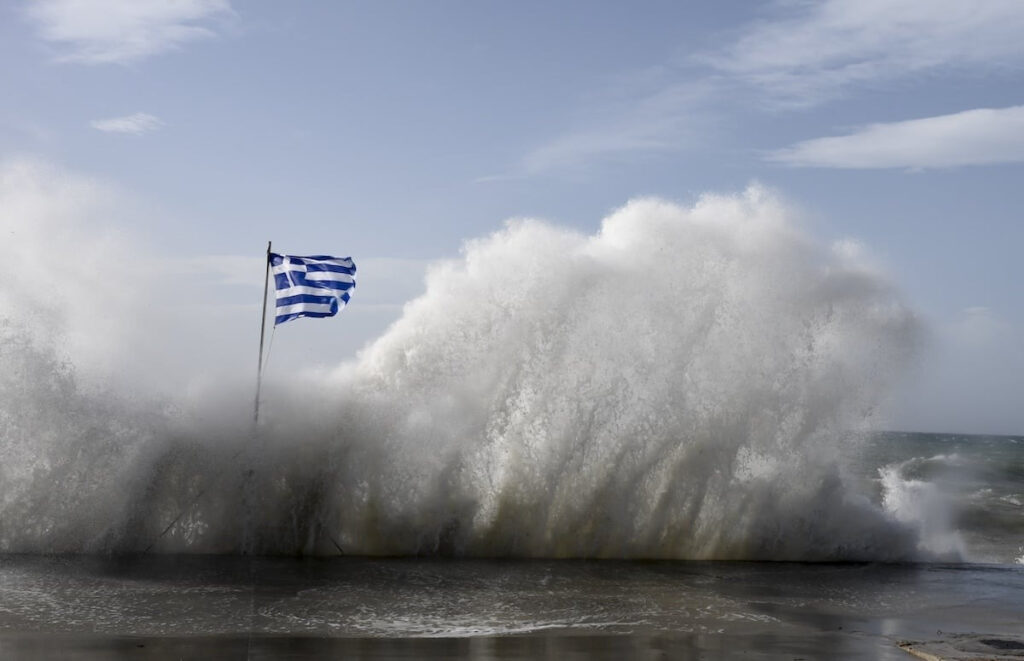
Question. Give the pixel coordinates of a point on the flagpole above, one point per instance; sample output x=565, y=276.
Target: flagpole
x=263, y=330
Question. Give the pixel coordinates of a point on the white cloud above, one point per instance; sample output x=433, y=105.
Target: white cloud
x=974, y=137
x=136, y=124
x=656, y=119
x=813, y=51
x=800, y=54
x=103, y=31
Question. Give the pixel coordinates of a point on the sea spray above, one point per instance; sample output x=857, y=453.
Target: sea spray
x=671, y=387
x=70, y=278
x=675, y=386
x=924, y=505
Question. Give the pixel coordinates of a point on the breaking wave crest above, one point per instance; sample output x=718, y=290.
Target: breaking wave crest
x=677, y=385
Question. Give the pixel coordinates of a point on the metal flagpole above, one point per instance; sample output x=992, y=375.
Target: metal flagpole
x=263, y=330
x=256, y=417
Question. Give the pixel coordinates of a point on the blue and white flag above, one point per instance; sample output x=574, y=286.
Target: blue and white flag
x=315, y=286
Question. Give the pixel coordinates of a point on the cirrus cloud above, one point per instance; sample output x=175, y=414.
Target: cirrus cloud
x=122, y=31
x=799, y=55
x=136, y=124
x=983, y=136
x=809, y=53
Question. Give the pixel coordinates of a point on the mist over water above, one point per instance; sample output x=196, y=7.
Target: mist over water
x=682, y=384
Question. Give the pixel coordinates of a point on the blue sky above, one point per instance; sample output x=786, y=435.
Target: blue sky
x=394, y=131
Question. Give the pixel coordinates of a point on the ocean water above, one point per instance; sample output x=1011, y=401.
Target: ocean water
x=965, y=489
x=661, y=434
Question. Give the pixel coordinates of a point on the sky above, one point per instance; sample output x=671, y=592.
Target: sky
x=192, y=132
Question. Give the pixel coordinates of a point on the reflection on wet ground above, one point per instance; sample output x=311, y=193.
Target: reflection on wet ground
x=171, y=607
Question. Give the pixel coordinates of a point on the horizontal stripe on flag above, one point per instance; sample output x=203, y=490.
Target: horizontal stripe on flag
x=324, y=269
x=314, y=259
x=325, y=308
x=280, y=319
x=330, y=267
x=327, y=276
x=316, y=299
x=312, y=291
x=307, y=299
x=319, y=279
x=284, y=282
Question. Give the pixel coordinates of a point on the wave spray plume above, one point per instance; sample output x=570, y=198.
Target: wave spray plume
x=678, y=385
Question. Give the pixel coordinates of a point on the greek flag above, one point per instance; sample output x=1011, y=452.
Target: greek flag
x=314, y=286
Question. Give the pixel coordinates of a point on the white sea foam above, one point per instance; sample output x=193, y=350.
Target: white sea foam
x=674, y=386
x=926, y=507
